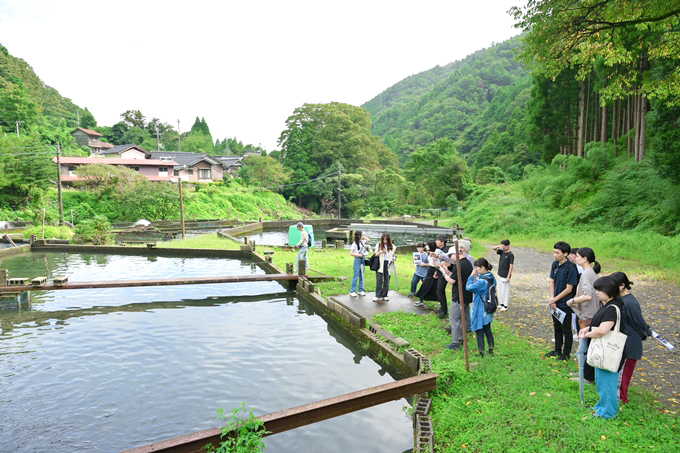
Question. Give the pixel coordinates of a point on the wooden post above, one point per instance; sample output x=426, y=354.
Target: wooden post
x=324, y=243
x=181, y=206
x=61, y=203
x=302, y=267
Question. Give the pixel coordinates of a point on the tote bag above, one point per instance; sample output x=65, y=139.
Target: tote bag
x=606, y=352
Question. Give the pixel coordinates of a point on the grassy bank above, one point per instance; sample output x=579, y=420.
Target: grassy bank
x=504, y=212
x=519, y=401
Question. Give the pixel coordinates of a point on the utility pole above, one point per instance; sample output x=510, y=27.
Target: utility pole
x=61, y=202
x=181, y=206
x=78, y=114
x=158, y=139
x=179, y=139
x=17, y=124
x=339, y=191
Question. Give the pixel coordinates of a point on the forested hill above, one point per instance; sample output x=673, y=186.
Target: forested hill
x=27, y=99
x=444, y=102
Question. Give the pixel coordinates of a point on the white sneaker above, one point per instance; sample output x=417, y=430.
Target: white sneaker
x=376, y=299
x=361, y=293
x=503, y=309
x=385, y=298
x=353, y=294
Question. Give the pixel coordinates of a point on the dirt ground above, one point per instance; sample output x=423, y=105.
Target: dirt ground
x=660, y=303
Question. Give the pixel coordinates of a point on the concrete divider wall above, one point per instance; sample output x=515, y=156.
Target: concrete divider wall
x=12, y=251
x=142, y=251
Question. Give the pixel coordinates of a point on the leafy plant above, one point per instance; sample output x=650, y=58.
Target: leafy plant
x=97, y=231
x=241, y=434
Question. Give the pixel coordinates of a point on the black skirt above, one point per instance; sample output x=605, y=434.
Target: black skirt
x=428, y=289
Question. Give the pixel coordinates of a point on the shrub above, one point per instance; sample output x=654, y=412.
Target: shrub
x=51, y=232
x=96, y=230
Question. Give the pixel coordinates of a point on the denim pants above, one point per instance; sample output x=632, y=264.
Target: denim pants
x=302, y=255
x=358, y=275
x=607, y=384
x=414, y=283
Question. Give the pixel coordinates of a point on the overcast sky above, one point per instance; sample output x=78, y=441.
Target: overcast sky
x=244, y=66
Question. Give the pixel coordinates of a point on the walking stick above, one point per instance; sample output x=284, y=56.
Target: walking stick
x=396, y=277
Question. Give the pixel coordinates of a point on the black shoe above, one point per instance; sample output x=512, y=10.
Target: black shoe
x=551, y=354
x=448, y=329
x=563, y=357
x=491, y=353
x=453, y=346
x=480, y=354
x=441, y=315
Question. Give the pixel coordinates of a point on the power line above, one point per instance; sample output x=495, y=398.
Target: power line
x=301, y=183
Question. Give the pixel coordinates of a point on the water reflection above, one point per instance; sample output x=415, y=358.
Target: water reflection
x=84, y=366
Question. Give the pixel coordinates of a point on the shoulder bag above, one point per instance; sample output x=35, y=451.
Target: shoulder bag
x=606, y=352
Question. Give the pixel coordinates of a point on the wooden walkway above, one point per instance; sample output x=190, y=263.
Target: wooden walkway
x=157, y=282
x=295, y=417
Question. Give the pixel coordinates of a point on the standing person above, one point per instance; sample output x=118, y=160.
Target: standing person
x=455, y=319
x=386, y=253
x=563, y=281
x=358, y=251
x=428, y=289
x=466, y=244
x=585, y=303
x=480, y=322
x=442, y=248
x=637, y=330
x=604, y=320
x=572, y=258
x=421, y=269
x=506, y=264
x=303, y=245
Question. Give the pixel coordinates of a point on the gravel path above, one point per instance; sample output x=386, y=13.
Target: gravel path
x=660, y=303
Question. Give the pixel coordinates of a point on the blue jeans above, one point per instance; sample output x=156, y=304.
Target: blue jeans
x=302, y=255
x=607, y=384
x=414, y=283
x=358, y=275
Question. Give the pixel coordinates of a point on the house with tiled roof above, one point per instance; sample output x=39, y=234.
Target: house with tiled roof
x=192, y=167
x=231, y=164
x=126, y=152
x=152, y=169
x=87, y=137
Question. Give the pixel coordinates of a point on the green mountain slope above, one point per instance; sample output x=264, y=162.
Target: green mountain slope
x=468, y=99
x=31, y=99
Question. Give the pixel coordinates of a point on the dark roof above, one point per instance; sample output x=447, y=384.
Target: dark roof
x=87, y=131
x=183, y=158
x=122, y=148
x=231, y=161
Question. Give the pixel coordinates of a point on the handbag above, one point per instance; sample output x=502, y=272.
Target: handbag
x=374, y=262
x=606, y=352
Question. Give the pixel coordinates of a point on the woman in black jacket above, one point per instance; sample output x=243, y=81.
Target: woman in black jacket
x=636, y=329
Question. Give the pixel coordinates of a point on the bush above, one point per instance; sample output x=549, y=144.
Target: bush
x=96, y=230
x=51, y=232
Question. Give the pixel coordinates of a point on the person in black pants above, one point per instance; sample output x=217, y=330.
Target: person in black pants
x=563, y=281
x=443, y=311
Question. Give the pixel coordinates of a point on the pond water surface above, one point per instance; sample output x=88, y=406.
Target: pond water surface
x=107, y=370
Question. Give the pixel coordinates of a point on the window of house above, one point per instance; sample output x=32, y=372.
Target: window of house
x=135, y=168
x=166, y=158
x=176, y=173
x=191, y=171
x=71, y=170
x=204, y=173
x=162, y=171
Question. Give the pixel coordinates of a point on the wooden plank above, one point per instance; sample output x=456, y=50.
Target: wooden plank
x=158, y=282
x=295, y=417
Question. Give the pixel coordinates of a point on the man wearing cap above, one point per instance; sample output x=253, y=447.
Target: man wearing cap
x=303, y=245
x=442, y=248
x=506, y=264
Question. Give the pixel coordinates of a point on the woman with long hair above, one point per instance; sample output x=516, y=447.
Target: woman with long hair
x=637, y=330
x=358, y=251
x=386, y=254
x=480, y=321
x=607, y=290
x=585, y=304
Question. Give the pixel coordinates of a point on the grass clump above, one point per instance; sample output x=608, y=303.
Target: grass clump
x=519, y=401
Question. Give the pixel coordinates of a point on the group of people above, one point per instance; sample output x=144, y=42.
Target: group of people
x=580, y=297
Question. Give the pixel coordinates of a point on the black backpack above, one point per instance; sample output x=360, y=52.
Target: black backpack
x=491, y=301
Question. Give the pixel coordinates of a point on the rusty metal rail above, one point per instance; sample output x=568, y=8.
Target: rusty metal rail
x=277, y=422
x=158, y=282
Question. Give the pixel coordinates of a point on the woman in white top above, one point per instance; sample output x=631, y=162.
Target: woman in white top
x=586, y=303
x=358, y=251
x=386, y=253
